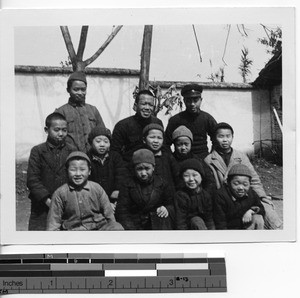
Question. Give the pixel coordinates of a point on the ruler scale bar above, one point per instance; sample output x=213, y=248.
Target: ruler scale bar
x=112, y=273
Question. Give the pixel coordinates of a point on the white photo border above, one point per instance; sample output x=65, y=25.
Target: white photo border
x=100, y=17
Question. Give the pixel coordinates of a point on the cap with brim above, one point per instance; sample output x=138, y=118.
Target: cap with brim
x=192, y=90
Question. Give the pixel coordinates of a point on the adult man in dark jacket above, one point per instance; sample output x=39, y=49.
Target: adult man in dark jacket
x=197, y=121
x=127, y=135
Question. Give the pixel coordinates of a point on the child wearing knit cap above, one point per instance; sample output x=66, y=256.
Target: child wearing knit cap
x=165, y=164
x=193, y=204
x=80, y=204
x=223, y=157
x=107, y=167
x=145, y=201
x=236, y=205
x=182, y=139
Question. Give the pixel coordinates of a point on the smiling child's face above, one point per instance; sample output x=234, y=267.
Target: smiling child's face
x=192, y=179
x=78, y=172
x=154, y=140
x=239, y=186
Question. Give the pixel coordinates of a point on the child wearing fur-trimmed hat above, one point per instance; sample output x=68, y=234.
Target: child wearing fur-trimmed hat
x=193, y=204
x=236, y=205
x=80, y=204
x=107, y=167
x=165, y=164
x=145, y=201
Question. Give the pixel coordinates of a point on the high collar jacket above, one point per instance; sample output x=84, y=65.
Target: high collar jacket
x=220, y=170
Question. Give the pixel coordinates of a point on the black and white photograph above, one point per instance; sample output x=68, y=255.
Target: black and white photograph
x=135, y=128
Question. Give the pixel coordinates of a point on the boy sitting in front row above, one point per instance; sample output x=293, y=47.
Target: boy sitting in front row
x=182, y=139
x=46, y=169
x=223, y=157
x=107, y=167
x=145, y=201
x=236, y=205
x=165, y=165
x=193, y=204
x=80, y=205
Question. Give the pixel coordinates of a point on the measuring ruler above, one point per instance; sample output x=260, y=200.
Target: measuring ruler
x=111, y=273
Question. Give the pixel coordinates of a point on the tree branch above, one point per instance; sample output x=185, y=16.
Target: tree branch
x=102, y=48
x=67, y=38
x=82, y=42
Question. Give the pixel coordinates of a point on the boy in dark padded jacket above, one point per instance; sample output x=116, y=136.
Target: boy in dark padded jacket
x=193, y=204
x=107, y=167
x=145, y=200
x=236, y=204
x=46, y=169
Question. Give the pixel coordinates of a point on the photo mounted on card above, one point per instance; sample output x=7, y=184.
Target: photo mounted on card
x=147, y=126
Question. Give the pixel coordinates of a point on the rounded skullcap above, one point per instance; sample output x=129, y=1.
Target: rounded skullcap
x=143, y=156
x=192, y=164
x=77, y=76
x=99, y=131
x=182, y=131
x=150, y=126
x=77, y=155
x=239, y=170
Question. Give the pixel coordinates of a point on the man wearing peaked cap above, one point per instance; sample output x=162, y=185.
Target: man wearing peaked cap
x=191, y=90
x=81, y=117
x=197, y=121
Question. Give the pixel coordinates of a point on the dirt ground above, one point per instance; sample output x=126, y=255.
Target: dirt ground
x=270, y=174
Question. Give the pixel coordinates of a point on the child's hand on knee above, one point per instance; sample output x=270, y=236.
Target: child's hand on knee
x=248, y=216
x=162, y=211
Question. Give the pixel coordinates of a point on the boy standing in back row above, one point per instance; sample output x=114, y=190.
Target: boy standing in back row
x=81, y=117
x=46, y=170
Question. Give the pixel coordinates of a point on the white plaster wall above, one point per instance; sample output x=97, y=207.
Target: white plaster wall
x=37, y=95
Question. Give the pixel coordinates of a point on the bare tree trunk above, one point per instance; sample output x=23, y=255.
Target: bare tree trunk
x=82, y=42
x=145, y=57
x=77, y=63
x=69, y=44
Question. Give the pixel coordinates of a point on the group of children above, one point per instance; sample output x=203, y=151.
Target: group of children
x=155, y=190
